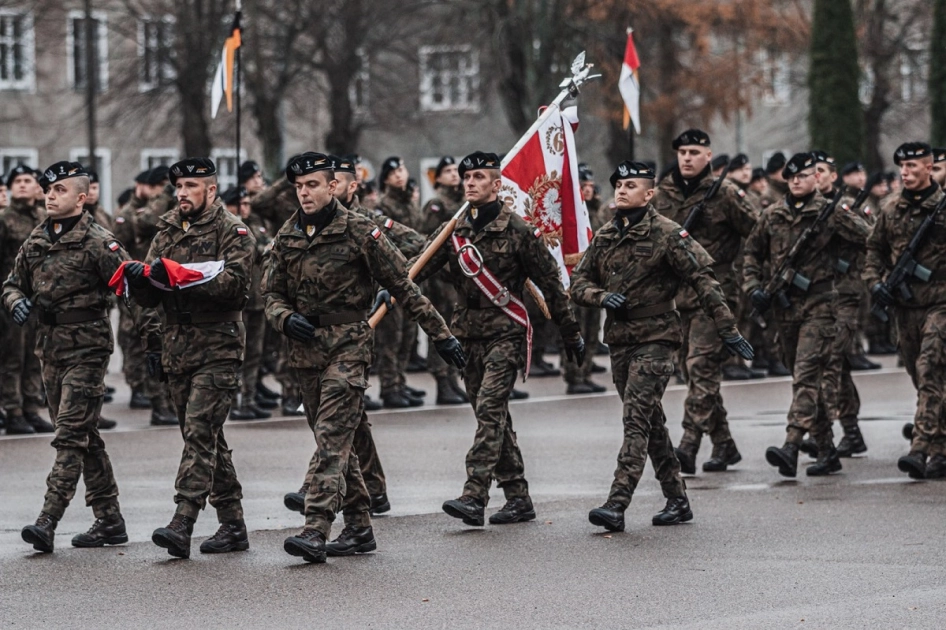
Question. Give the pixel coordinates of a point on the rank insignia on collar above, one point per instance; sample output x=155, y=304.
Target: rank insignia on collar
x=185, y=225
x=473, y=212
x=799, y=204
x=309, y=230
x=57, y=227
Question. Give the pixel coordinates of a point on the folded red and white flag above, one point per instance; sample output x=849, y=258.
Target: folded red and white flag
x=180, y=276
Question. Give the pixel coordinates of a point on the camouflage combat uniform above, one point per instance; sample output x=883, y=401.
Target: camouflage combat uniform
x=254, y=317
x=134, y=367
x=202, y=351
x=331, y=280
x=647, y=263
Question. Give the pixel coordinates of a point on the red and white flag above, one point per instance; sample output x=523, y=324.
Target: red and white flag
x=628, y=84
x=540, y=182
x=181, y=276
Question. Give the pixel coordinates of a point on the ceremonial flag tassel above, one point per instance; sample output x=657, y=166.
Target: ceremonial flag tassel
x=223, y=78
x=629, y=85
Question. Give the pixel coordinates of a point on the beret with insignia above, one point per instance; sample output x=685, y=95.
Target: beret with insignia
x=776, y=163
x=444, y=162
x=390, y=164
x=342, y=164
x=142, y=177
x=585, y=174
x=822, y=157
x=798, y=163
x=93, y=176
x=939, y=155
x=192, y=167
x=19, y=169
x=852, y=167
x=158, y=175
x=61, y=170
x=247, y=170
x=740, y=160
x=632, y=170
x=757, y=174
x=232, y=196
x=478, y=161
x=125, y=196
x=691, y=137
x=308, y=162
x=720, y=161
x=912, y=151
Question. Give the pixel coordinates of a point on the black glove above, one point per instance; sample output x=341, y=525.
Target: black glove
x=159, y=273
x=739, y=345
x=614, y=301
x=135, y=274
x=299, y=328
x=383, y=297
x=153, y=363
x=21, y=311
x=761, y=300
x=882, y=295
x=575, y=349
x=450, y=351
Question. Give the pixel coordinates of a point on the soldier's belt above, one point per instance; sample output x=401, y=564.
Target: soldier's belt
x=76, y=316
x=204, y=318
x=646, y=311
x=336, y=319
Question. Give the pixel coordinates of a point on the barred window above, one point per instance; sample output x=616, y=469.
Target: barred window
x=449, y=78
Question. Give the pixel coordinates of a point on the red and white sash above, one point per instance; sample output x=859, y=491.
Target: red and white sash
x=471, y=264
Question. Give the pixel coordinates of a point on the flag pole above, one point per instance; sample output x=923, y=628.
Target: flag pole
x=630, y=126
x=236, y=84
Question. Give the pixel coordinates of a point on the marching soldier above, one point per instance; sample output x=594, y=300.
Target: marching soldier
x=492, y=322
x=726, y=219
x=202, y=349
x=633, y=268
x=805, y=312
x=250, y=178
x=319, y=283
x=62, y=273
x=939, y=167
x=93, y=205
x=920, y=319
x=778, y=187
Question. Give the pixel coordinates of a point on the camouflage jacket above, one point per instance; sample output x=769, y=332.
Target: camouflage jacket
x=337, y=272
x=439, y=210
x=728, y=218
x=214, y=235
x=259, y=233
x=276, y=204
x=850, y=261
x=398, y=205
x=513, y=251
x=148, y=217
x=101, y=216
x=774, y=195
x=125, y=220
x=895, y=227
x=71, y=274
x=776, y=232
x=647, y=264
x=17, y=221
x=407, y=240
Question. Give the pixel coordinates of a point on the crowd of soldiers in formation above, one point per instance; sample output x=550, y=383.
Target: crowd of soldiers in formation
x=796, y=256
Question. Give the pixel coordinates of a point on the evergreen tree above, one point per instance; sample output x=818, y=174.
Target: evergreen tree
x=937, y=87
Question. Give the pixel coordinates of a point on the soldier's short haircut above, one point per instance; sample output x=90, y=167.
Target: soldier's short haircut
x=82, y=184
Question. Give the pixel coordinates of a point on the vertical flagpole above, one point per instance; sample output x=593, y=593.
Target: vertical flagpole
x=236, y=83
x=630, y=126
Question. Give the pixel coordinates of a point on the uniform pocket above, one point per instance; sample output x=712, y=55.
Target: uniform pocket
x=226, y=381
x=93, y=391
x=657, y=367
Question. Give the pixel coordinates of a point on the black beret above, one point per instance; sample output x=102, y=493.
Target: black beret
x=851, y=167
x=192, y=167
x=669, y=168
x=939, y=155
x=890, y=177
x=20, y=169
x=478, y=160
x=247, y=170
x=776, y=163
x=157, y=175
x=740, y=160
x=757, y=174
x=93, y=176
x=444, y=162
x=342, y=164
x=232, y=196
x=632, y=170
x=125, y=197
x=912, y=151
x=60, y=171
x=390, y=164
x=822, y=157
x=798, y=163
x=142, y=177
x=691, y=137
x=720, y=161
x=308, y=162
x=585, y=174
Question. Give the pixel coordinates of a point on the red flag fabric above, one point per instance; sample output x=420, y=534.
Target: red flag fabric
x=181, y=276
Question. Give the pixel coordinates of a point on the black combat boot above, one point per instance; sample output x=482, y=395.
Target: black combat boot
x=907, y=431
x=936, y=467
x=109, y=530
x=579, y=388
x=264, y=392
x=379, y=504
x=308, y=545
x=352, y=540
x=459, y=389
x=913, y=464
x=860, y=363
x=446, y=395
x=290, y=406
x=777, y=368
x=609, y=516
x=242, y=412
x=414, y=392
x=106, y=425
x=516, y=510
x=42, y=533
x=725, y=454
x=809, y=447
x=229, y=537
x=39, y=423
x=176, y=537
x=467, y=508
x=686, y=455
x=852, y=443
x=785, y=459
x=139, y=400
x=265, y=403
x=161, y=413
x=676, y=511
x=371, y=404
x=828, y=462
x=295, y=501
x=518, y=394
x=17, y=425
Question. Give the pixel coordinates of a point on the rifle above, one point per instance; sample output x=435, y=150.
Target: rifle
x=844, y=265
x=907, y=267
x=785, y=276
x=700, y=208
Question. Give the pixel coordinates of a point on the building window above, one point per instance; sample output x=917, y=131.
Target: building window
x=76, y=45
x=102, y=166
x=158, y=157
x=16, y=51
x=227, y=167
x=155, y=53
x=449, y=78
x=10, y=157
x=914, y=66
x=776, y=81
x=358, y=90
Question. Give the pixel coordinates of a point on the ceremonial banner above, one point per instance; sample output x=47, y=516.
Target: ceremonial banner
x=629, y=86
x=223, y=78
x=181, y=276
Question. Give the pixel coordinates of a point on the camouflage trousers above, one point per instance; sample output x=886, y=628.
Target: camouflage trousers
x=848, y=320
x=590, y=321
x=703, y=410
x=74, y=394
x=394, y=340
x=21, y=387
x=255, y=323
x=640, y=375
x=489, y=376
x=202, y=400
x=334, y=400
x=443, y=296
x=285, y=374
x=134, y=367
x=922, y=334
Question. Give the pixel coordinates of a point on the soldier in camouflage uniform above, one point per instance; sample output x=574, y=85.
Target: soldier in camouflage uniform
x=634, y=267
x=778, y=187
x=21, y=388
x=725, y=221
x=495, y=342
x=202, y=350
x=93, y=203
x=62, y=272
x=807, y=327
x=319, y=282
x=921, y=320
